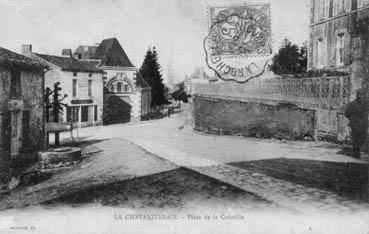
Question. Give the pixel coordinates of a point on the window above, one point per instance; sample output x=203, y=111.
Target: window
x=340, y=46
x=15, y=84
x=74, y=88
x=90, y=88
x=326, y=10
x=340, y=6
x=126, y=88
x=335, y=7
x=330, y=10
x=360, y=3
x=89, y=74
x=119, y=87
x=319, y=53
x=84, y=114
x=95, y=113
x=316, y=10
x=348, y=5
x=74, y=74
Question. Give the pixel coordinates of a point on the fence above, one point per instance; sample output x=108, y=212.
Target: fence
x=323, y=92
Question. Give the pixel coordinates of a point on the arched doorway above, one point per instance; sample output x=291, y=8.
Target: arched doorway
x=118, y=109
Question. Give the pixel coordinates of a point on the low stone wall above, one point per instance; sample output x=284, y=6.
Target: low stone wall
x=230, y=117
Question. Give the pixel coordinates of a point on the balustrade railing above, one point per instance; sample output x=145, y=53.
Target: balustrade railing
x=323, y=92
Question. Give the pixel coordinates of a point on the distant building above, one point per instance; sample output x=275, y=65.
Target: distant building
x=21, y=107
x=127, y=97
x=82, y=81
x=198, y=76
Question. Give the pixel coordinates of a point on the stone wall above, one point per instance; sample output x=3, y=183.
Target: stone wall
x=33, y=102
x=230, y=117
x=32, y=88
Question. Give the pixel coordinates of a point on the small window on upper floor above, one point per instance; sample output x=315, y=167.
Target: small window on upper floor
x=90, y=88
x=348, y=5
x=335, y=7
x=74, y=73
x=340, y=49
x=15, y=84
x=89, y=74
x=319, y=53
x=360, y=3
x=74, y=88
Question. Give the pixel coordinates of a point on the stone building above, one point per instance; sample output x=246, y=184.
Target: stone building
x=82, y=81
x=127, y=97
x=338, y=35
x=339, y=42
x=21, y=107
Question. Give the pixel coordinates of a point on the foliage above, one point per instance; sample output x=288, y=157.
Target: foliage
x=56, y=105
x=290, y=59
x=180, y=94
x=150, y=71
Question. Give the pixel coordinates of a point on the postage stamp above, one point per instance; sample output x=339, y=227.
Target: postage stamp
x=239, y=42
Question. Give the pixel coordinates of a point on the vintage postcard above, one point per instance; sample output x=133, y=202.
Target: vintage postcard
x=184, y=116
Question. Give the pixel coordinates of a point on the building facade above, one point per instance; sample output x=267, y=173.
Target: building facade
x=339, y=37
x=21, y=108
x=339, y=42
x=81, y=81
x=127, y=97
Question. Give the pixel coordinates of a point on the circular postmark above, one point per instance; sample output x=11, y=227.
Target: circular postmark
x=238, y=46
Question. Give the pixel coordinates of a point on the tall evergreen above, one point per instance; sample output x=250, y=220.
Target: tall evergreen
x=290, y=59
x=150, y=71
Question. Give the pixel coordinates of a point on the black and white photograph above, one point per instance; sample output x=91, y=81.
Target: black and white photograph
x=184, y=116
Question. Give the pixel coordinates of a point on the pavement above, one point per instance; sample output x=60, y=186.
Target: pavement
x=174, y=140
x=106, y=162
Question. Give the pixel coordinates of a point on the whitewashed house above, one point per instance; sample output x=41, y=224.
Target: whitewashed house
x=82, y=81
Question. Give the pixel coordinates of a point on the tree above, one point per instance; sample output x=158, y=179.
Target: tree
x=290, y=59
x=180, y=94
x=150, y=71
x=57, y=106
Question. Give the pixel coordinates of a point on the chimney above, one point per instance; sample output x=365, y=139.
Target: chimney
x=27, y=50
x=67, y=53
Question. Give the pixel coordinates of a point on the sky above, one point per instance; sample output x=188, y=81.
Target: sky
x=175, y=27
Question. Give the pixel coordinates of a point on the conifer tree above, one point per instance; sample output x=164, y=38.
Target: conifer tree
x=150, y=71
x=290, y=59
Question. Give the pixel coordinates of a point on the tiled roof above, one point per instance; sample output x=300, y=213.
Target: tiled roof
x=71, y=64
x=11, y=58
x=111, y=53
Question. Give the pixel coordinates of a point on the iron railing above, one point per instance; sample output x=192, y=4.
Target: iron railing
x=322, y=92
